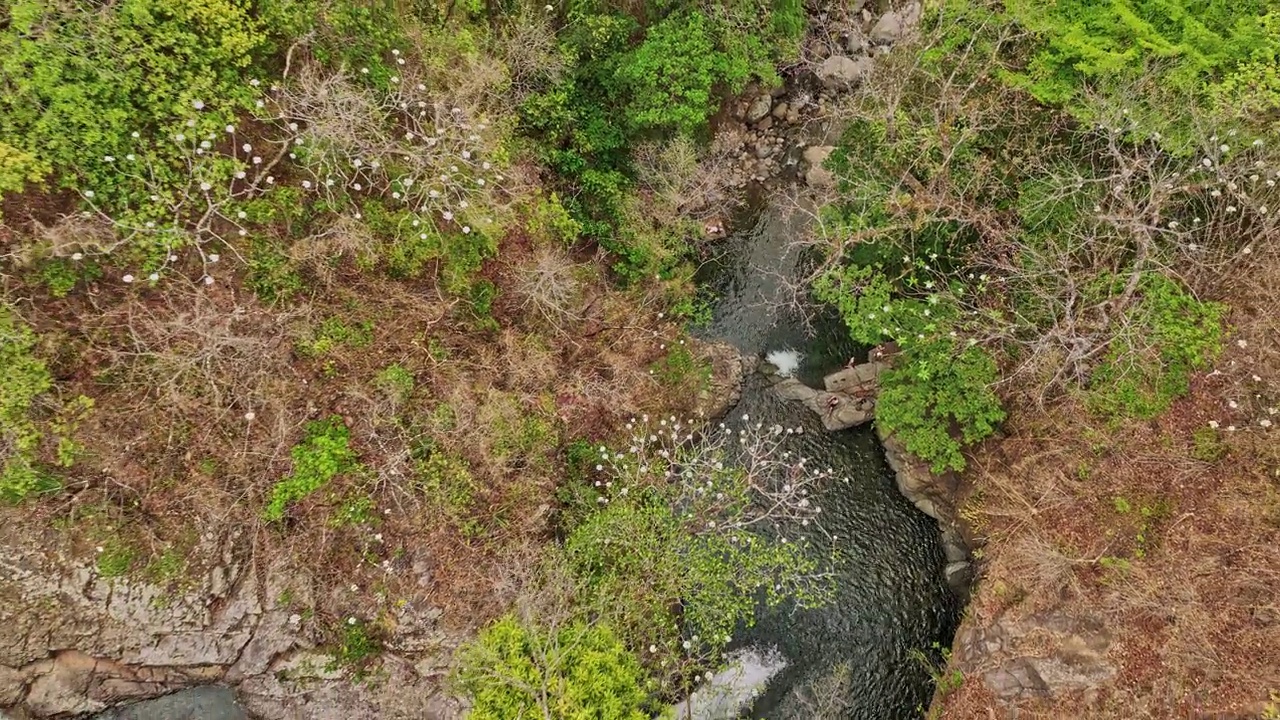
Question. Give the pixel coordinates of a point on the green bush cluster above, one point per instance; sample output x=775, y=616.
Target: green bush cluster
x=1169, y=335
x=1150, y=55
x=636, y=72
x=323, y=454
x=99, y=92
x=24, y=378
x=938, y=396
x=579, y=671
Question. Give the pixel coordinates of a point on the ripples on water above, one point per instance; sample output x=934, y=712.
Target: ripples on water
x=891, y=602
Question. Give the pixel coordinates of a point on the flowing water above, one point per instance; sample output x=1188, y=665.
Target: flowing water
x=892, y=608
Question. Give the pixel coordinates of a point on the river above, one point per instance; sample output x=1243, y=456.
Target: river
x=892, y=609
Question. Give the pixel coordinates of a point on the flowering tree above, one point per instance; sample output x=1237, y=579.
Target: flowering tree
x=694, y=526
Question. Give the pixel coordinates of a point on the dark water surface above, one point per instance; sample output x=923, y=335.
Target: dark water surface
x=891, y=602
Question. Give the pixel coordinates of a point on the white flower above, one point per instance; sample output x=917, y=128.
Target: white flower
x=254, y=82
x=77, y=256
x=1213, y=424
x=364, y=71
x=88, y=193
x=466, y=229
x=1232, y=404
x=214, y=257
x=127, y=278
x=206, y=186
x=153, y=277
x=1242, y=343
x=1264, y=422
x=257, y=160
x=179, y=137
x=208, y=279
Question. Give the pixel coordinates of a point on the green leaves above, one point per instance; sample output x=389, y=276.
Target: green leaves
x=938, y=396
x=1169, y=335
x=23, y=379
x=323, y=453
x=575, y=672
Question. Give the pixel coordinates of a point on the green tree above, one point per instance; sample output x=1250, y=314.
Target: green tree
x=577, y=671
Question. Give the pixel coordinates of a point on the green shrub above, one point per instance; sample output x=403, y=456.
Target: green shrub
x=60, y=275
x=397, y=382
x=115, y=559
x=938, y=396
x=324, y=453
x=88, y=86
x=447, y=483
x=271, y=276
x=357, y=645
x=1169, y=335
x=1207, y=445
x=575, y=672
x=681, y=514
x=334, y=332
x=24, y=378
x=1148, y=55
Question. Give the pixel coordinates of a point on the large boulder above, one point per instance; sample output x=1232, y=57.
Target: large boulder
x=815, y=175
x=759, y=108
x=841, y=72
x=888, y=29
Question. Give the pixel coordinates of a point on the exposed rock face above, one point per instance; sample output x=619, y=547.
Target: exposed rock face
x=201, y=703
x=888, y=29
x=728, y=369
x=936, y=496
x=73, y=642
x=1044, y=655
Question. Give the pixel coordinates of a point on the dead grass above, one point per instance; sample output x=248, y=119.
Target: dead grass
x=201, y=392
x=1192, y=602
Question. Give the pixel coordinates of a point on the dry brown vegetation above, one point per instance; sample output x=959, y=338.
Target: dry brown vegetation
x=200, y=391
x=1188, y=591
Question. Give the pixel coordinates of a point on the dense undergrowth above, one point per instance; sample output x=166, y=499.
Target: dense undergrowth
x=378, y=278
x=1012, y=214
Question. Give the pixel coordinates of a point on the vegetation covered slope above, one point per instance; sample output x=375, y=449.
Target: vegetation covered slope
x=1065, y=216
x=397, y=289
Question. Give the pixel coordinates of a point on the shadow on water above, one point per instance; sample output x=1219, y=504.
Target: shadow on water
x=891, y=602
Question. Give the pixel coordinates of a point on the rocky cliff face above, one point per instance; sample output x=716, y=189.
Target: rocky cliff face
x=74, y=643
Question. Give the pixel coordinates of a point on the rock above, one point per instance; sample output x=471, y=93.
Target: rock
x=911, y=15
x=780, y=110
x=759, y=108
x=62, y=690
x=958, y=574
x=815, y=175
x=854, y=43
x=859, y=380
x=1016, y=679
x=765, y=124
x=201, y=703
x=12, y=685
x=1051, y=654
x=888, y=29
x=816, y=155
x=840, y=72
